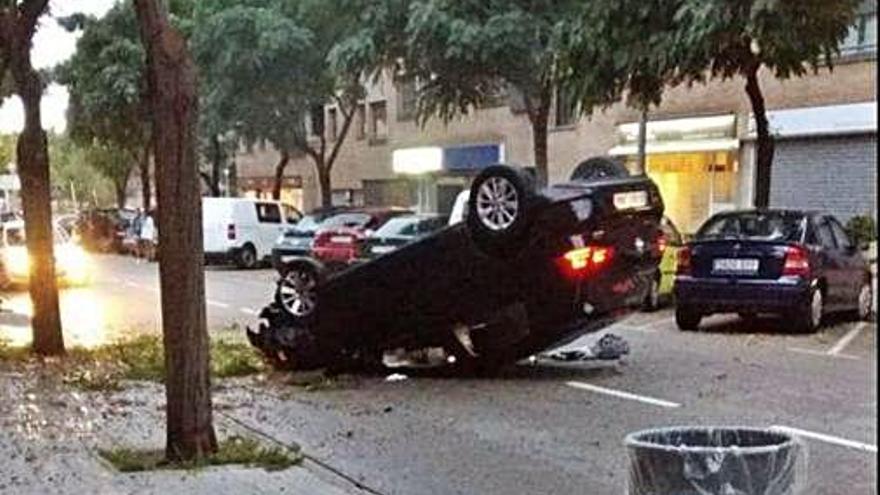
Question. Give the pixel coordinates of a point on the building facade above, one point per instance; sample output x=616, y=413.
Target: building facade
x=700, y=144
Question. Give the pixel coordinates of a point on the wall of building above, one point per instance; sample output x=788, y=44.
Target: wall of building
x=851, y=81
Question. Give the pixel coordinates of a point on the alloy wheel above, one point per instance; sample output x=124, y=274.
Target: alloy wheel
x=297, y=291
x=865, y=301
x=816, y=309
x=497, y=204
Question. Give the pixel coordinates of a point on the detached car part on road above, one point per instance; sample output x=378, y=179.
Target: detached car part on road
x=527, y=269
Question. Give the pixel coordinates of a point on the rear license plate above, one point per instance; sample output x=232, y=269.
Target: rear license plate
x=382, y=249
x=340, y=239
x=737, y=265
x=630, y=200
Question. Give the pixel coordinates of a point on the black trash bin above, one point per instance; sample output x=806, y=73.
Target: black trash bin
x=713, y=460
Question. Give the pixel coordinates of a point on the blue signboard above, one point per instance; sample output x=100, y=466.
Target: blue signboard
x=475, y=157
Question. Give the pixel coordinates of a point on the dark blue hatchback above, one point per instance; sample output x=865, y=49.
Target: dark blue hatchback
x=800, y=265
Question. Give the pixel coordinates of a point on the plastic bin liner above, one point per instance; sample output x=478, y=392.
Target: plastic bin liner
x=714, y=461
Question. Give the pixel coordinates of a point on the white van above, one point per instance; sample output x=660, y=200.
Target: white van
x=243, y=230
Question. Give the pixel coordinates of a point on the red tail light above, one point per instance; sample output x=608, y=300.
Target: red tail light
x=683, y=267
x=230, y=231
x=797, y=262
x=587, y=260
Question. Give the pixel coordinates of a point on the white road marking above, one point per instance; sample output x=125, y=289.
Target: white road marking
x=814, y=352
x=217, y=303
x=846, y=339
x=623, y=395
x=248, y=311
x=821, y=437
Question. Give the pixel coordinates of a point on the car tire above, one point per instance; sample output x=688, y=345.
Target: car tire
x=598, y=168
x=297, y=291
x=864, y=303
x=652, y=298
x=687, y=318
x=498, y=213
x=247, y=257
x=808, y=318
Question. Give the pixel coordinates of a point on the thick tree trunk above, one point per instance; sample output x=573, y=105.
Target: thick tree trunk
x=279, y=174
x=765, y=144
x=146, y=185
x=172, y=83
x=324, y=187
x=539, y=120
x=33, y=170
x=216, y=165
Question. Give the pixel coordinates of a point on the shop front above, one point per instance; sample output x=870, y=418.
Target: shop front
x=261, y=188
x=436, y=175
x=694, y=161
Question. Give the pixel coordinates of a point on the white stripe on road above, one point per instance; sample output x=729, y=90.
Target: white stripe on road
x=217, y=304
x=623, y=395
x=248, y=311
x=821, y=437
x=814, y=352
x=846, y=339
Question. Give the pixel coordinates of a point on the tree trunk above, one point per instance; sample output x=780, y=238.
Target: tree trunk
x=324, y=186
x=643, y=140
x=216, y=165
x=33, y=170
x=121, y=196
x=540, y=118
x=279, y=174
x=172, y=84
x=765, y=144
x=146, y=186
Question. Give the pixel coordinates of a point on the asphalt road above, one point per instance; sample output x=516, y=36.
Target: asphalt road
x=544, y=428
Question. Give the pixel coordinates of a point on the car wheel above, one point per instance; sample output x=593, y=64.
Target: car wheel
x=687, y=318
x=247, y=257
x=865, y=302
x=498, y=213
x=297, y=291
x=598, y=168
x=652, y=298
x=809, y=317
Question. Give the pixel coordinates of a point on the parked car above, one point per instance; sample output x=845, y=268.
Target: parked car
x=71, y=262
x=297, y=240
x=338, y=242
x=400, y=231
x=528, y=269
x=801, y=265
x=242, y=231
x=103, y=230
x=671, y=241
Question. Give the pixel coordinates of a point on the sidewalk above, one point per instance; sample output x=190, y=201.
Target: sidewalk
x=50, y=434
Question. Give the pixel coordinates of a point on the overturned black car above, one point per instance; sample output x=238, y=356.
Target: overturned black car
x=527, y=270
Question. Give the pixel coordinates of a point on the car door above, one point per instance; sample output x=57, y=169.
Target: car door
x=833, y=265
x=269, y=226
x=853, y=265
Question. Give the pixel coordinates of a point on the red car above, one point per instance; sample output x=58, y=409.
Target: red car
x=338, y=242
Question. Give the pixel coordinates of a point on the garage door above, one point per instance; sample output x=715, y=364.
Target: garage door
x=835, y=174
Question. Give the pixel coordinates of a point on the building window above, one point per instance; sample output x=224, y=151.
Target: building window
x=331, y=124
x=565, y=109
x=361, y=121
x=862, y=37
x=316, y=120
x=378, y=120
x=406, y=100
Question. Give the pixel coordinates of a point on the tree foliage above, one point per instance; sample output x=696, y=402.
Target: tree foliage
x=7, y=151
x=74, y=178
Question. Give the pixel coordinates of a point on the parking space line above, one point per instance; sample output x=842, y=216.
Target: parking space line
x=814, y=352
x=821, y=437
x=248, y=311
x=846, y=339
x=623, y=395
x=217, y=304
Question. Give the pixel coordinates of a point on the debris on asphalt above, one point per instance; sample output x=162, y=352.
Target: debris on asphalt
x=396, y=377
x=609, y=347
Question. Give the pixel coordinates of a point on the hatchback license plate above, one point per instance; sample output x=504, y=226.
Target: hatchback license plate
x=382, y=249
x=631, y=200
x=737, y=265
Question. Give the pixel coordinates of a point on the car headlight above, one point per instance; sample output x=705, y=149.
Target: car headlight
x=17, y=261
x=72, y=261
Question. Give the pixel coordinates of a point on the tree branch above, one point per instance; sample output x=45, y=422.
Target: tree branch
x=346, y=125
x=30, y=11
